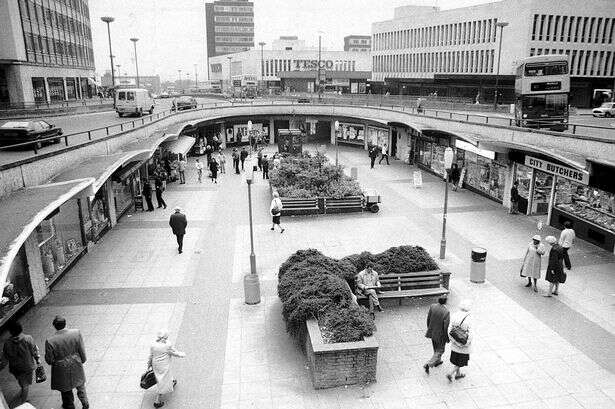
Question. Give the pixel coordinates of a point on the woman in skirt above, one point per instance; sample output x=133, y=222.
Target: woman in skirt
x=276, y=211
x=460, y=353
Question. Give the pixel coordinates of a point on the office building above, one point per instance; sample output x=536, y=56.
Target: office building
x=229, y=26
x=45, y=51
x=357, y=43
x=423, y=50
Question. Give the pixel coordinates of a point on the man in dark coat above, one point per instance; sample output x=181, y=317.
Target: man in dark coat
x=21, y=353
x=555, y=269
x=437, y=329
x=178, y=223
x=147, y=195
x=65, y=352
x=242, y=156
x=235, y=156
x=265, y=164
x=373, y=154
x=159, y=189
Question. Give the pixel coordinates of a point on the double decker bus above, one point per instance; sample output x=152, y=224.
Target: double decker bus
x=542, y=88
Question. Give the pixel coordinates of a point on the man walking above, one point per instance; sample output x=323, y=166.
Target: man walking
x=373, y=154
x=178, y=223
x=242, y=156
x=566, y=240
x=514, y=198
x=438, y=319
x=235, y=157
x=20, y=352
x=259, y=157
x=385, y=154
x=199, y=169
x=181, y=168
x=65, y=352
x=265, y=165
x=367, y=283
x=147, y=195
x=159, y=189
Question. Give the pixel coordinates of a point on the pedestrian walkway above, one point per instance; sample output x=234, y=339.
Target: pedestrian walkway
x=529, y=351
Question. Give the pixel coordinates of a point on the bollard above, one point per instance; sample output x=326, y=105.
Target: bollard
x=251, y=289
x=477, y=265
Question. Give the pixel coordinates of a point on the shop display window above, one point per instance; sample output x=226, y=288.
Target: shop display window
x=60, y=240
x=485, y=174
x=124, y=192
x=523, y=175
x=586, y=202
x=351, y=133
x=424, y=152
x=96, y=220
x=437, y=160
x=377, y=136
x=543, y=183
x=16, y=290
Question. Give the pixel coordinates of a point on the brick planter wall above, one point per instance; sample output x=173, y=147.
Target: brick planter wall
x=344, y=363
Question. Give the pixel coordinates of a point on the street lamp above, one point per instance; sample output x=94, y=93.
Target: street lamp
x=251, y=285
x=110, y=20
x=501, y=25
x=250, y=136
x=448, y=164
x=337, y=128
x=179, y=76
x=230, y=80
x=196, y=78
x=134, y=42
x=262, y=44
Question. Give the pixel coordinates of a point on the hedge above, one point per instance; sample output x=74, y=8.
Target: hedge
x=395, y=260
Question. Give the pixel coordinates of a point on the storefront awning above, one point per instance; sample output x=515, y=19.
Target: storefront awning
x=19, y=221
x=181, y=145
x=100, y=168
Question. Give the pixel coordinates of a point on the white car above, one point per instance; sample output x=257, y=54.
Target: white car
x=606, y=110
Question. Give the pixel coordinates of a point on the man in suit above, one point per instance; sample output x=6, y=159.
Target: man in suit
x=437, y=329
x=65, y=352
x=367, y=283
x=178, y=223
x=20, y=352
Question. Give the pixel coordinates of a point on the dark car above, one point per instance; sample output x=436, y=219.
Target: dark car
x=14, y=132
x=186, y=103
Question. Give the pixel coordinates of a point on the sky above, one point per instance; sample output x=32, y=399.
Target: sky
x=171, y=33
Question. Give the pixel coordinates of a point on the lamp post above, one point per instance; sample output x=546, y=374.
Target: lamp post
x=196, y=77
x=337, y=128
x=230, y=80
x=250, y=136
x=448, y=164
x=134, y=42
x=501, y=25
x=262, y=44
x=179, y=76
x=110, y=20
x=319, y=68
x=251, y=285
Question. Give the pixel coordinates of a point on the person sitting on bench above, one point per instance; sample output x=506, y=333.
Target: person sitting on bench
x=367, y=283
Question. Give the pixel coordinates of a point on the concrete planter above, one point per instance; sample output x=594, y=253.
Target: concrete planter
x=344, y=363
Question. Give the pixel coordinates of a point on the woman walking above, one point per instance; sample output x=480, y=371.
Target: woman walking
x=160, y=356
x=532, y=262
x=276, y=211
x=460, y=351
x=222, y=161
x=555, y=269
x=213, y=167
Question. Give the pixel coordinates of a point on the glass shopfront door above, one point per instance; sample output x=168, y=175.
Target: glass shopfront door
x=543, y=185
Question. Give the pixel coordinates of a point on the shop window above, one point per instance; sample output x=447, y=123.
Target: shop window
x=586, y=202
x=16, y=291
x=351, y=133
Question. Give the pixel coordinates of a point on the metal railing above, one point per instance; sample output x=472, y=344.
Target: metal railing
x=56, y=104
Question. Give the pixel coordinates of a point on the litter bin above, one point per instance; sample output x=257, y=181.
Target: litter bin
x=477, y=266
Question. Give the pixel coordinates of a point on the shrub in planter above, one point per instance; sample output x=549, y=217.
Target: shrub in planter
x=395, y=260
x=295, y=258
x=347, y=324
x=312, y=259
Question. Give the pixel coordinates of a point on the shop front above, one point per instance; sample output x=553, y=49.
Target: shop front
x=96, y=221
x=483, y=171
x=17, y=290
x=126, y=186
x=378, y=136
x=351, y=134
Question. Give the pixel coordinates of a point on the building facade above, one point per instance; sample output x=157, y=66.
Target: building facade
x=357, y=43
x=229, y=26
x=295, y=70
x=46, y=51
x=148, y=82
x=454, y=52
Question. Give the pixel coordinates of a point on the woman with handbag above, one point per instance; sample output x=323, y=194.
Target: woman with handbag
x=461, y=340
x=160, y=356
x=276, y=211
x=555, y=269
x=532, y=262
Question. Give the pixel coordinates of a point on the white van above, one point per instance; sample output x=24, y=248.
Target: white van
x=134, y=101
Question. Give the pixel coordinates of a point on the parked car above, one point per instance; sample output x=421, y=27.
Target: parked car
x=606, y=110
x=164, y=95
x=186, y=103
x=303, y=101
x=14, y=132
x=134, y=101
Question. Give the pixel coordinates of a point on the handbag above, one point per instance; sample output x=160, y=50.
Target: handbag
x=148, y=379
x=458, y=333
x=275, y=210
x=564, y=276
x=40, y=374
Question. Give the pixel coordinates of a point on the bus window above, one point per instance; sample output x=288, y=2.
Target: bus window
x=130, y=96
x=121, y=96
x=550, y=103
x=538, y=70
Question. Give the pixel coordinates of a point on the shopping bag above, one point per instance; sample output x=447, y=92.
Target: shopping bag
x=41, y=376
x=148, y=379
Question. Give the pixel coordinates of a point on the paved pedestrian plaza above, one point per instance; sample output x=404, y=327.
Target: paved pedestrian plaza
x=529, y=351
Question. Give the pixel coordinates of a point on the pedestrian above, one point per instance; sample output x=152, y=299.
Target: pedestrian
x=276, y=161
x=21, y=354
x=178, y=223
x=65, y=352
x=438, y=319
x=235, y=156
x=159, y=185
x=566, y=240
x=455, y=176
x=367, y=282
x=208, y=151
x=460, y=351
x=199, y=169
x=213, y=168
x=222, y=161
x=259, y=158
x=532, y=262
x=216, y=141
x=242, y=156
x=555, y=269
x=385, y=154
x=181, y=168
x=265, y=164
x=514, y=198
x=160, y=356
x=147, y=195
x=276, y=211
x=373, y=154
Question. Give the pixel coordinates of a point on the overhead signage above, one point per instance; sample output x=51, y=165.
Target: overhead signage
x=546, y=86
x=468, y=147
x=580, y=176
x=331, y=65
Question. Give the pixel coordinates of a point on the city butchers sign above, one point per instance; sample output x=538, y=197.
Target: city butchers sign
x=559, y=170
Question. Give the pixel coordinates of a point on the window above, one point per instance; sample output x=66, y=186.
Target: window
x=590, y=29
x=548, y=33
x=584, y=30
x=599, y=31
x=563, y=29
x=538, y=69
x=555, y=28
x=542, y=26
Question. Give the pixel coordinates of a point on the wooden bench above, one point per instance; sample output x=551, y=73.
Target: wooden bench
x=421, y=284
x=292, y=206
x=344, y=205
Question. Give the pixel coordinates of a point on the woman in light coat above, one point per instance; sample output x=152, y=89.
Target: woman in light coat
x=460, y=353
x=160, y=356
x=532, y=261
